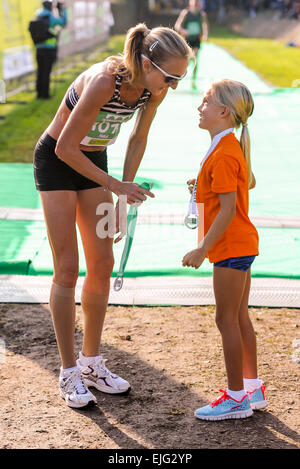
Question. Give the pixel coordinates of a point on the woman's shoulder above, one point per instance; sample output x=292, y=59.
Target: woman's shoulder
x=99, y=79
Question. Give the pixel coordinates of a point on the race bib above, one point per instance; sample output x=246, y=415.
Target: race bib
x=194, y=28
x=106, y=129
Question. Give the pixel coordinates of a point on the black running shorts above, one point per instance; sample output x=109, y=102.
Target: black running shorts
x=52, y=174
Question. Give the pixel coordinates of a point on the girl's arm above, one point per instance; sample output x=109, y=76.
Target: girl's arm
x=221, y=222
x=225, y=216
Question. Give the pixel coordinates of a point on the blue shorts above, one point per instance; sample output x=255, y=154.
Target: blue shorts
x=239, y=263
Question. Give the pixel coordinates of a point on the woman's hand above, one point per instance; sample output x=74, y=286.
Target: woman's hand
x=191, y=183
x=118, y=223
x=194, y=258
x=135, y=194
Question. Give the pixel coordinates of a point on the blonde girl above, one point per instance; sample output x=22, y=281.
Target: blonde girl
x=230, y=242
x=71, y=175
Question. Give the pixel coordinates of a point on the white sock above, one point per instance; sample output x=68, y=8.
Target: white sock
x=236, y=395
x=66, y=371
x=251, y=384
x=87, y=360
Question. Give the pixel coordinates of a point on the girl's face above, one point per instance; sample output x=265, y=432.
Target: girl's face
x=156, y=81
x=211, y=114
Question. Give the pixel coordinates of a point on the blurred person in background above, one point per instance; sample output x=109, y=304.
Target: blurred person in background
x=46, y=51
x=192, y=24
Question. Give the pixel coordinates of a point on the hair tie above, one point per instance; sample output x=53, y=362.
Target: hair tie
x=153, y=46
x=245, y=125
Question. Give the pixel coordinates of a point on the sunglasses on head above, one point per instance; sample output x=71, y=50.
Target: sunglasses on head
x=168, y=77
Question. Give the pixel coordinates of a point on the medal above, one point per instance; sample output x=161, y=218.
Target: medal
x=192, y=220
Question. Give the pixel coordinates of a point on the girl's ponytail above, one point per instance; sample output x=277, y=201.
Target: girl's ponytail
x=245, y=145
x=238, y=99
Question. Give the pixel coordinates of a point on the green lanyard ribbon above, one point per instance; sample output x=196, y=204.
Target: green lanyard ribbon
x=130, y=229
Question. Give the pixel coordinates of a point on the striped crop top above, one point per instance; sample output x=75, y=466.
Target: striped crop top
x=107, y=126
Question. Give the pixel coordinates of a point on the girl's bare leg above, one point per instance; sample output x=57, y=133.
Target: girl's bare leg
x=248, y=334
x=229, y=287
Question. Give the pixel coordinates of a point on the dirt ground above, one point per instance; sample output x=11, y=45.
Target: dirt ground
x=173, y=358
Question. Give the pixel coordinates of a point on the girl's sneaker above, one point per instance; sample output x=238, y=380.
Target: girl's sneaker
x=96, y=374
x=257, y=398
x=74, y=391
x=225, y=408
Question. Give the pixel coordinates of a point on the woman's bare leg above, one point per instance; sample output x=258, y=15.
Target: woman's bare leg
x=99, y=263
x=59, y=210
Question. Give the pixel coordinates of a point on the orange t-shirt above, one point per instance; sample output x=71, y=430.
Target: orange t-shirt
x=225, y=170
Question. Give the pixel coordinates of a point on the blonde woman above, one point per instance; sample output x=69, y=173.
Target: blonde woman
x=70, y=168
x=230, y=242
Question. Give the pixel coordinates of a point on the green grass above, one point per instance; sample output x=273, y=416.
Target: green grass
x=276, y=63
x=23, y=124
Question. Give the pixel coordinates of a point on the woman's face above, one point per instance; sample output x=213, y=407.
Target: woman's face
x=156, y=81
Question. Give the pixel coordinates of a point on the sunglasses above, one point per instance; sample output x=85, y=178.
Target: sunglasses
x=168, y=77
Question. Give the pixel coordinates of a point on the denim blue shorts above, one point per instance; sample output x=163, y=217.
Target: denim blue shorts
x=239, y=263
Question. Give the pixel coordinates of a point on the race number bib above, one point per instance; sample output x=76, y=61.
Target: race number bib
x=194, y=28
x=105, y=130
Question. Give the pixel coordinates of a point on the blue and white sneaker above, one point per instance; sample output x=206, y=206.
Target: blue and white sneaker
x=257, y=398
x=225, y=408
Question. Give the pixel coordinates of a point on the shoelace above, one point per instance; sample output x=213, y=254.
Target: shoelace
x=223, y=397
x=99, y=365
x=75, y=380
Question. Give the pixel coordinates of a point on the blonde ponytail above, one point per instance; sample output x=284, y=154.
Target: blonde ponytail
x=245, y=146
x=159, y=44
x=238, y=99
x=134, y=44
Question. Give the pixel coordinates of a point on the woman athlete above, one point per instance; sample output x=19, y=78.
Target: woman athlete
x=70, y=168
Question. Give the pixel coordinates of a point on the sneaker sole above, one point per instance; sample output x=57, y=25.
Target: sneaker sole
x=105, y=389
x=73, y=405
x=232, y=415
x=259, y=405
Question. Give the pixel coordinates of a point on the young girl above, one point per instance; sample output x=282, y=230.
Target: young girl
x=230, y=242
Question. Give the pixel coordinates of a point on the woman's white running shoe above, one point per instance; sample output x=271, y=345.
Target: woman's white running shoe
x=97, y=375
x=74, y=391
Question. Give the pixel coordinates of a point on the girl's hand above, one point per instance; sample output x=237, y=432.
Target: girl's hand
x=135, y=194
x=191, y=183
x=194, y=258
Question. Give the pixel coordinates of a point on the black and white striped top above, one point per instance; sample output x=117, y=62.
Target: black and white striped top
x=106, y=128
x=115, y=105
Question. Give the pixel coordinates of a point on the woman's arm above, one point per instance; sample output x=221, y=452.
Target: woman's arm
x=205, y=26
x=178, y=25
x=138, y=138
x=77, y=127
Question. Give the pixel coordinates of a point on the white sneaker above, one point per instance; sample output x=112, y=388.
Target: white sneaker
x=74, y=391
x=97, y=375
